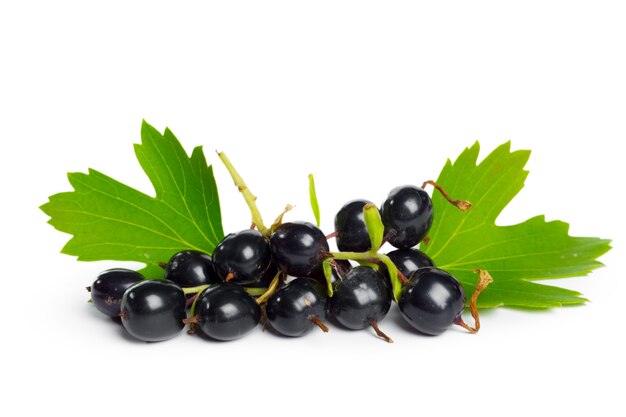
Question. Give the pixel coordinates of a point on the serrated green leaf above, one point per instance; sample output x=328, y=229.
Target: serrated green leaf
x=514, y=255
x=313, y=199
x=111, y=221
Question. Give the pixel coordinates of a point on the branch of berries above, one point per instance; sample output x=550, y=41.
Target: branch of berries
x=298, y=282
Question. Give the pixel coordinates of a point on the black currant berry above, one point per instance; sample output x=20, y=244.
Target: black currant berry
x=407, y=214
x=108, y=288
x=352, y=235
x=361, y=299
x=432, y=301
x=153, y=311
x=191, y=269
x=408, y=261
x=243, y=257
x=294, y=309
x=298, y=248
x=226, y=312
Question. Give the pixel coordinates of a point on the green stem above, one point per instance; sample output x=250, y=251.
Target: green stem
x=397, y=279
x=194, y=290
x=270, y=290
x=313, y=199
x=356, y=256
x=200, y=288
x=255, y=291
x=247, y=194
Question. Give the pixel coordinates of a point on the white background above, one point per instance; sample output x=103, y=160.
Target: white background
x=367, y=95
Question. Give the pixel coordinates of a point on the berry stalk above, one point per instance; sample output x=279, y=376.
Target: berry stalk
x=397, y=278
x=250, y=198
x=269, y=290
x=462, y=205
x=195, y=290
x=484, y=279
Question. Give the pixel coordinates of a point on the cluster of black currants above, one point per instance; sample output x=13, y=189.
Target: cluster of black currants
x=214, y=294
x=285, y=269
x=430, y=299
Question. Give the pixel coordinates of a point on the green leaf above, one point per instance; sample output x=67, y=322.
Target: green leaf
x=515, y=255
x=374, y=224
x=313, y=198
x=111, y=221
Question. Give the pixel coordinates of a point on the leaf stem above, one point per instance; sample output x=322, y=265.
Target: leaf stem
x=250, y=198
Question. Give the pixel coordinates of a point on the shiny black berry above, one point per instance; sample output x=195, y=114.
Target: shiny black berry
x=298, y=248
x=153, y=311
x=243, y=257
x=108, y=288
x=432, y=301
x=408, y=261
x=352, y=235
x=407, y=214
x=191, y=269
x=361, y=299
x=299, y=306
x=226, y=312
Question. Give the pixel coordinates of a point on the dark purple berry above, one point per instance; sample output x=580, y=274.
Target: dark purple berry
x=298, y=248
x=226, y=312
x=191, y=269
x=407, y=214
x=299, y=306
x=153, y=311
x=243, y=257
x=361, y=298
x=432, y=301
x=352, y=235
x=109, y=287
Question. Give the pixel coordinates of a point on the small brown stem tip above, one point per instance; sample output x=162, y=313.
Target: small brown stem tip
x=379, y=332
x=319, y=323
x=279, y=218
x=462, y=205
x=191, y=320
x=331, y=235
x=484, y=279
